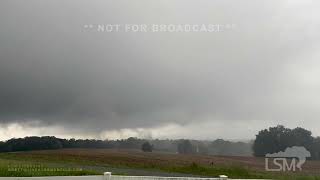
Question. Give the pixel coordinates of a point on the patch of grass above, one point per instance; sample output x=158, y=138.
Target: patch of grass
x=231, y=171
x=5, y=173
x=297, y=177
x=97, y=164
x=16, y=168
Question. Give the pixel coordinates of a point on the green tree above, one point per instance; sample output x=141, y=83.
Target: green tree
x=147, y=147
x=185, y=147
x=278, y=138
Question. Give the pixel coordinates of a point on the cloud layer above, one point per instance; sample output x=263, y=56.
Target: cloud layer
x=56, y=73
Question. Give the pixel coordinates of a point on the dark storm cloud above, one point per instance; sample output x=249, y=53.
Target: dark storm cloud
x=52, y=70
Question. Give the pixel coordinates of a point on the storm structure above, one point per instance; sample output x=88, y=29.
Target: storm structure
x=60, y=76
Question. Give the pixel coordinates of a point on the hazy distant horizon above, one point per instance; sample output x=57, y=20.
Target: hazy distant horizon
x=99, y=138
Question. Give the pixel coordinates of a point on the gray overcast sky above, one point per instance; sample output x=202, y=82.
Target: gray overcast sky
x=59, y=78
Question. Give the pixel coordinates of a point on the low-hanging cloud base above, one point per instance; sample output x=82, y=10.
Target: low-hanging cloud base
x=229, y=84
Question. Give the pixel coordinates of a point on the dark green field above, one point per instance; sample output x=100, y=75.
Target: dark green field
x=134, y=162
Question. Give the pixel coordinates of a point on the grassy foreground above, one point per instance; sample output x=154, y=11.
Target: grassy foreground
x=93, y=162
x=19, y=168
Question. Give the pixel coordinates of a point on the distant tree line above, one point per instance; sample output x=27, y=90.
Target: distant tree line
x=271, y=140
x=182, y=146
x=51, y=142
x=276, y=139
x=216, y=147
